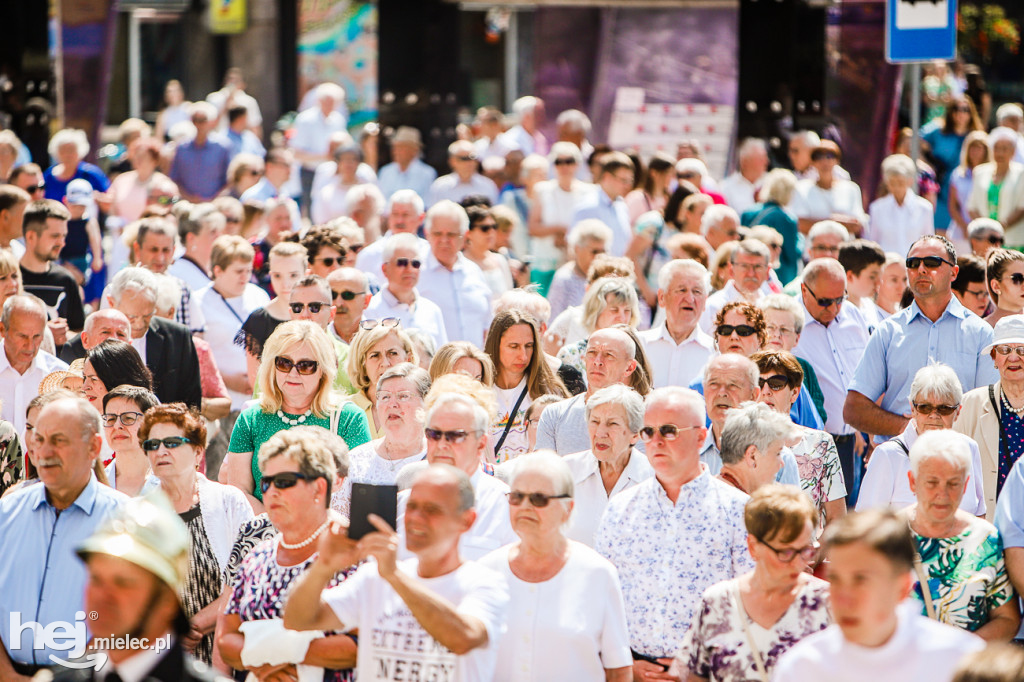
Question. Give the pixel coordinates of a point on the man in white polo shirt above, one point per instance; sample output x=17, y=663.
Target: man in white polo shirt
x=399, y=298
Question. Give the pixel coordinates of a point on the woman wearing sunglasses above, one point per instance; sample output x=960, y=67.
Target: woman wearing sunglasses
x=123, y=408
x=481, y=241
x=935, y=396
x=566, y=615
x=296, y=375
x=779, y=599
x=174, y=439
x=326, y=250
x=376, y=347
x=1004, y=275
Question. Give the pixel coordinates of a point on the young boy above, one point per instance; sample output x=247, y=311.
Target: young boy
x=863, y=261
x=82, y=250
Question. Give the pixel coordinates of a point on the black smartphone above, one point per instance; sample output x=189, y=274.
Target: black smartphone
x=367, y=499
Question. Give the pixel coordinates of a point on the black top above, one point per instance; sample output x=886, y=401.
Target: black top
x=49, y=285
x=77, y=241
x=572, y=378
x=255, y=331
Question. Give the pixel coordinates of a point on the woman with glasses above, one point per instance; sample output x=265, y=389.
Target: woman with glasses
x=566, y=618
x=480, y=244
x=376, y=347
x=296, y=375
x=1004, y=275
x=997, y=191
x=784, y=322
x=828, y=197
x=325, y=249
x=244, y=171
x=123, y=408
x=935, y=396
x=744, y=625
x=174, y=438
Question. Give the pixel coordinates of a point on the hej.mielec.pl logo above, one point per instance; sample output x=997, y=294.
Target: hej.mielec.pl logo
x=73, y=638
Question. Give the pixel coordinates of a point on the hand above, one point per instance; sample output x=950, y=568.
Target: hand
x=642, y=671
x=276, y=673
x=382, y=546
x=869, y=450
x=59, y=329
x=859, y=443
x=335, y=549
x=97, y=264
x=192, y=639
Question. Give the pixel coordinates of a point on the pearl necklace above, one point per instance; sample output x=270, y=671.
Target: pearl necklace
x=307, y=541
x=1006, y=403
x=293, y=422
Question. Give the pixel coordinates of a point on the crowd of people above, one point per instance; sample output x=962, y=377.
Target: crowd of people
x=645, y=423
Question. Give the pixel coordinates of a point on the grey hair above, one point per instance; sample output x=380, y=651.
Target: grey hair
x=88, y=416
x=944, y=444
x=204, y=108
x=418, y=376
x=752, y=145
x=168, y=293
x=332, y=90
x=590, y=229
x=899, y=165
x=148, y=226
x=751, y=247
x=24, y=303
x=979, y=227
x=753, y=373
x=199, y=216
x=69, y=136
x=525, y=105
x=427, y=344
x=1008, y=110
x=406, y=197
x=778, y=186
x=405, y=240
x=348, y=271
x=623, y=396
x=692, y=165
x=135, y=279
x=563, y=149
x=714, y=215
x=360, y=193
x=938, y=381
x=525, y=300
x=754, y=424
x=810, y=138
x=447, y=209
x=681, y=265
x=678, y=394
x=481, y=422
x=820, y=266
x=827, y=227
x=548, y=464
x=575, y=120
x=786, y=304
x=467, y=498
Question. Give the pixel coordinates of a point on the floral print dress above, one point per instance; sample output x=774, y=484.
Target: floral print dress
x=821, y=475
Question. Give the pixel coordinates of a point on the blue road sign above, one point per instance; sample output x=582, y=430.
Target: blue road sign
x=920, y=30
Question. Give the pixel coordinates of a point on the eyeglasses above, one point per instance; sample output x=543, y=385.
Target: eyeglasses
x=926, y=409
x=470, y=157
x=254, y=173
x=41, y=187
x=386, y=322
x=1017, y=279
x=346, y=295
x=776, y=329
x=826, y=302
x=776, y=383
x=538, y=500
x=355, y=248
x=1006, y=350
x=962, y=109
x=406, y=262
x=329, y=261
x=304, y=367
x=667, y=431
x=485, y=227
x=930, y=262
x=283, y=481
x=685, y=176
x=314, y=307
x=831, y=156
x=454, y=437
x=808, y=553
x=565, y=162
x=743, y=330
x=402, y=397
x=126, y=418
x=171, y=443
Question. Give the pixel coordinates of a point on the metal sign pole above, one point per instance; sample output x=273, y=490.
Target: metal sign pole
x=915, y=111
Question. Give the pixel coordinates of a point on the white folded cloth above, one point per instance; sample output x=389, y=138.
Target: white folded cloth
x=268, y=642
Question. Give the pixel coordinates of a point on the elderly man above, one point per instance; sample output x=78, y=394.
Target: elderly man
x=985, y=234
x=200, y=166
x=22, y=364
x=40, y=529
x=436, y=614
x=720, y=224
x=751, y=266
x=399, y=298
x=526, y=135
x=153, y=249
x=405, y=215
x=166, y=346
x=572, y=125
x=46, y=228
x=310, y=299
x=406, y=170
x=101, y=325
x=197, y=233
x=614, y=181
x=674, y=535
x=740, y=188
x=935, y=328
x=801, y=144
x=753, y=437
x=456, y=284
x=350, y=292
x=823, y=241
x=677, y=348
x=464, y=179
x=313, y=128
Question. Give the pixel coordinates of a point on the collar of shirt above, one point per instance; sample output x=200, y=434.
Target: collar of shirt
x=393, y=301
x=38, y=362
x=630, y=472
x=694, y=490
x=697, y=336
x=134, y=668
x=839, y=318
x=709, y=444
x=85, y=501
x=433, y=264
x=954, y=308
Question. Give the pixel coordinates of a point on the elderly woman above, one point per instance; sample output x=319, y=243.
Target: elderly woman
x=400, y=393
x=479, y=248
x=462, y=356
x=961, y=576
x=69, y=147
x=1004, y=277
x=568, y=327
x=779, y=598
x=776, y=192
x=111, y=364
x=549, y=221
x=784, y=322
x=612, y=464
x=821, y=475
x=972, y=154
x=299, y=472
x=935, y=396
x=998, y=192
x=522, y=374
x=123, y=408
x=296, y=373
x=828, y=196
x=174, y=438
x=377, y=346
x=993, y=416
x=567, y=619
x=609, y=301
x=900, y=217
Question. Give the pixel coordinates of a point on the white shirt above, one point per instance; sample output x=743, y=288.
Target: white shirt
x=590, y=496
x=500, y=146
x=371, y=257
x=897, y=227
x=241, y=99
x=191, y=274
x=417, y=177
x=569, y=627
x=676, y=364
x=834, y=352
x=726, y=294
x=463, y=296
x=393, y=644
x=224, y=317
x=739, y=192
x=920, y=649
x=138, y=666
x=811, y=201
x=313, y=130
x=139, y=344
x=17, y=390
x=557, y=207
x=452, y=188
x=331, y=201
x=422, y=314
x=326, y=171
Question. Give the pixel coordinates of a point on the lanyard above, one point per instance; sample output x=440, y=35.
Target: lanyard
x=233, y=312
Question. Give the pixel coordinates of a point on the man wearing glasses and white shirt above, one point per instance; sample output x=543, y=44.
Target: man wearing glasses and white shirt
x=399, y=298
x=350, y=293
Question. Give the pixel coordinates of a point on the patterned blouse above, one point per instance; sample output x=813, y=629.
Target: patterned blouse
x=366, y=466
x=202, y=583
x=821, y=475
x=716, y=647
x=966, y=575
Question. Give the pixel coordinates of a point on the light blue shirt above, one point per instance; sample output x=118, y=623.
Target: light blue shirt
x=1010, y=508
x=712, y=457
x=417, y=177
x=41, y=578
x=244, y=142
x=614, y=214
x=908, y=341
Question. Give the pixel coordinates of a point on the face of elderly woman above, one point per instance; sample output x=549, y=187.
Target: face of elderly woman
x=734, y=343
x=934, y=420
x=781, y=330
x=766, y=554
x=172, y=461
x=399, y=404
x=295, y=387
x=615, y=312
x=539, y=521
x=610, y=437
x=1010, y=366
x=67, y=154
x=897, y=184
x=386, y=353
x=939, y=486
x=1003, y=151
x=292, y=506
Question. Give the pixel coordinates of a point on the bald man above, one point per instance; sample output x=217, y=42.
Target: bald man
x=108, y=323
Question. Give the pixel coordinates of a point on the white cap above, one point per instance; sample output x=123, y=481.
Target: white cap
x=1009, y=330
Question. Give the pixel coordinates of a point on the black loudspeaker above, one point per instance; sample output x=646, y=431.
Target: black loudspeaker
x=419, y=77
x=782, y=70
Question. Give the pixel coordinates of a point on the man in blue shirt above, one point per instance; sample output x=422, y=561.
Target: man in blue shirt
x=935, y=328
x=41, y=579
x=607, y=204
x=200, y=166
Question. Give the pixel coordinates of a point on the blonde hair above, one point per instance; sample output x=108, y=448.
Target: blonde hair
x=453, y=351
x=228, y=249
x=291, y=250
x=9, y=266
x=285, y=338
x=363, y=341
x=595, y=301
x=469, y=387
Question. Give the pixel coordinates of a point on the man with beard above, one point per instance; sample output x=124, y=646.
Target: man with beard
x=46, y=228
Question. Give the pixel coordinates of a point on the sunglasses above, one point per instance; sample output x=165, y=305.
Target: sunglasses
x=776, y=383
x=329, y=261
x=283, y=481
x=347, y=295
x=406, y=262
x=465, y=158
x=994, y=239
x=832, y=156
x=962, y=109
x=485, y=227
x=314, y=307
x=930, y=262
x=172, y=443
x=386, y=322
x=1006, y=350
x=826, y=302
x=926, y=409
x=565, y=162
x=126, y=418
x=41, y=187
x=454, y=437
x=355, y=248
x=743, y=330
x=538, y=500
x=167, y=200
x=304, y=367
x=808, y=553
x=1017, y=279
x=667, y=431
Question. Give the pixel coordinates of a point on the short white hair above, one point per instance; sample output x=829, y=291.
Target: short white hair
x=204, y=108
x=591, y=229
x=623, y=396
x=562, y=149
x=360, y=193
x=786, y=304
x=404, y=241
x=168, y=294
x=480, y=421
x=899, y=165
x=534, y=162
x=979, y=227
x=447, y=209
x=332, y=90
x=681, y=265
x=750, y=146
x=525, y=105
x=754, y=424
x=69, y=136
x=133, y=278
x=677, y=394
x=526, y=301
x=937, y=381
x=827, y=227
x=809, y=137
x=549, y=465
x=406, y=197
x=714, y=215
x=460, y=145
x=1008, y=110
x=575, y=120
x=691, y=165
x=944, y=444
x=723, y=361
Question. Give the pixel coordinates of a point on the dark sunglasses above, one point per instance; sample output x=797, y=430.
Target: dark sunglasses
x=565, y=162
x=667, y=431
x=126, y=418
x=994, y=239
x=930, y=262
x=826, y=302
x=355, y=248
x=743, y=330
x=282, y=481
x=776, y=383
x=485, y=228
x=304, y=367
x=1017, y=279
x=832, y=156
x=172, y=443
x=539, y=500
x=314, y=307
x=465, y=158
x=329, y=261
x=944, y=410
x=808, y=553
x=346, y=295
x=1005, y=349
x=41, y=187
x=455, y=437
x=386, y=322
x=963, y=109
x=406, y=262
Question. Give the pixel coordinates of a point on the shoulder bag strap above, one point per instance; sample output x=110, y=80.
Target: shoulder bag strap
x=511, y=418
x=903, y=446
x=336, y=418
x=742, y=615
x=922, y=578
